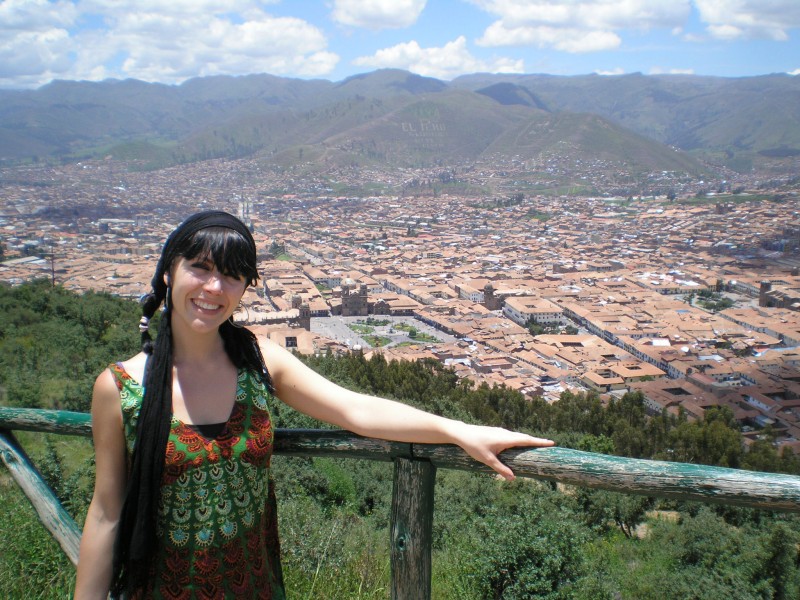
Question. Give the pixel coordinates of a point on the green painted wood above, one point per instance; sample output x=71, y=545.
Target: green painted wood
x=412, y=528
x=47, y=421
x=337, y=443
x=652, y=478
x=52, y=515
x=662, y=479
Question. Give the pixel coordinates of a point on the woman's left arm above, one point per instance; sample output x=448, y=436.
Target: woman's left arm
x=306, y=391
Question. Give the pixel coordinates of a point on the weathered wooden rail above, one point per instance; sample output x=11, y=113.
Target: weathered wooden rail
x=415, y=468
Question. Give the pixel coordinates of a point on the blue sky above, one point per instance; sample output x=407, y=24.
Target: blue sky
x=169, y=41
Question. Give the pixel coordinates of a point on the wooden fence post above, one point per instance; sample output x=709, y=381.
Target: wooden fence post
x=52, y=515
x=411, y=528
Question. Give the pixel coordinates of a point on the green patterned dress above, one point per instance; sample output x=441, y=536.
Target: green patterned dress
x=217, y=524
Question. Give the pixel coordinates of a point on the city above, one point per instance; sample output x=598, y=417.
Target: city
x=691, y=297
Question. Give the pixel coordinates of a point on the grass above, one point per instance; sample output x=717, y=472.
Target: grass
x=332, y=556
x=424, y=338
x=32, y=565
x=377, y=341
x=361, y=328
x=417, y=337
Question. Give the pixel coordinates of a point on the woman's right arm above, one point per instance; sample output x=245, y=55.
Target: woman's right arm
x=99, y=531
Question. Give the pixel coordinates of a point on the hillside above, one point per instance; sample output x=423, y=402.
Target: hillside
x=394, y=118
x=743, y=120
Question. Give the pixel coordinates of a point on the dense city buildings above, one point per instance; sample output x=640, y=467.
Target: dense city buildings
x=691, y=297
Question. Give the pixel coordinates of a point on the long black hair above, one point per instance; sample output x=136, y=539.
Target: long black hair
x=224, y=240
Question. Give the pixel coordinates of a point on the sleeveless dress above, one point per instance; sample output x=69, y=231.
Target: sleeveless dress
x=217, y=524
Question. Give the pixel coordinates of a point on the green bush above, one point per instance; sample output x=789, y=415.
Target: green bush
x=527, y=549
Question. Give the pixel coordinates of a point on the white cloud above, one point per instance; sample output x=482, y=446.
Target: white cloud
x=35, y=15
x=173, y=7
x=578, y=25
x=617, y=71
x=171, y=46
x=566, y=39
x=749, y=19
x=449, y=61
x=663, y=71
x=160, y=41
x=377, y=14
x=28, y=54
x=34, y=39
x=795, y=72
x=590, y=14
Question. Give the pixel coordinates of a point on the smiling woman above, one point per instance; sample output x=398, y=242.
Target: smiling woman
x=184, y=504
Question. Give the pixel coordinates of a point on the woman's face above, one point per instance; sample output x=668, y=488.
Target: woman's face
x=202, y=297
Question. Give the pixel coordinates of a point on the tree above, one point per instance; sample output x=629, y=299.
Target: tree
x=780, y=565
x=511, y=558
x=601, y=508
x=533, y=327
x=578, y=412
x=762, y=455
x=713, y=441
x=55, y=342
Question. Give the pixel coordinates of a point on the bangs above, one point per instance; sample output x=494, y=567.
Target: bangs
x=231, y=253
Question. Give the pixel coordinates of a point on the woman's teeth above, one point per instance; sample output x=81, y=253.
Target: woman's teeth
x=206, y=306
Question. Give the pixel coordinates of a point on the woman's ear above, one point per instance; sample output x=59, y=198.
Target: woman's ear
x=166, y=279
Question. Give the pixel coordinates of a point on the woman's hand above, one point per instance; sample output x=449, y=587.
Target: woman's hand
x=485, y=443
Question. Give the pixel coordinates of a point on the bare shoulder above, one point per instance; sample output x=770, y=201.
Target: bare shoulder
x=105, y=387
x=105, y=395
x=106, y=406
x=274, y=354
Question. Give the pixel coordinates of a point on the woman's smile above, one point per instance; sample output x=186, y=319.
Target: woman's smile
x=206, y=305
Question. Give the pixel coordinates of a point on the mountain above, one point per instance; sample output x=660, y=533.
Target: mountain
x=395, y=118
x=740, y=120
x=508, y=93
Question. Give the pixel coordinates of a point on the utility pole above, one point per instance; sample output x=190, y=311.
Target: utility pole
x=52, y=256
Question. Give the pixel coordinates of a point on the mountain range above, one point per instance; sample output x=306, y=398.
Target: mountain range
x=395, y=118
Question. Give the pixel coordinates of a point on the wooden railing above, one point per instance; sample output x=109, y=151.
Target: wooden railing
x=414, y=472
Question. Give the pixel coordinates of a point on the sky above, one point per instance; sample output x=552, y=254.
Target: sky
x=170, y=41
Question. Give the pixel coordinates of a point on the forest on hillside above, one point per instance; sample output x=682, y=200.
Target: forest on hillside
x=492, y=539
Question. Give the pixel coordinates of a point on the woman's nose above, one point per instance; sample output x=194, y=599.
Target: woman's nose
x=214, y=282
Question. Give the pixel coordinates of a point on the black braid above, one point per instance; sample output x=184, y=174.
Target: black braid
x=150, y=303
x=136, y=538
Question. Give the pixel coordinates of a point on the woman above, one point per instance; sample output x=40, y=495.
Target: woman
x=183, y=505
